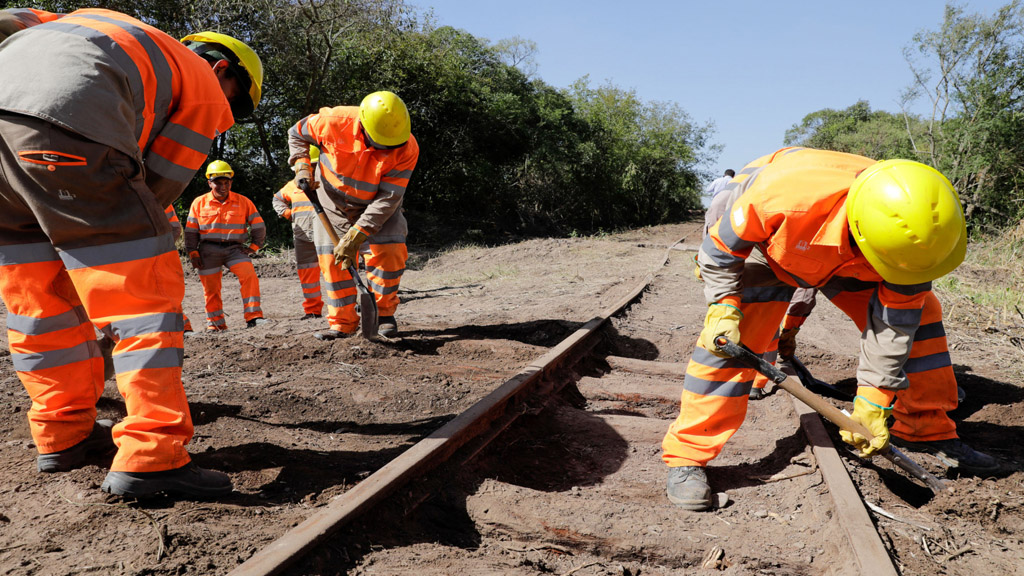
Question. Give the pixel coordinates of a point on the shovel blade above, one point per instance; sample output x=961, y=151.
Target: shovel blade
x=368, y=315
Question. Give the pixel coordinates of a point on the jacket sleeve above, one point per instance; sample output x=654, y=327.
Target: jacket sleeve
x=257, y=229
x=728, y=245
x=16, y=19
x=192, y=228
x=175, y=223
x=800, y=307
x=390, y=191
x=301, y=137
x=282, y=203
x=894, y=315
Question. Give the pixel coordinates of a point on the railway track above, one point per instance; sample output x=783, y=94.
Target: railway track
x=626, y=401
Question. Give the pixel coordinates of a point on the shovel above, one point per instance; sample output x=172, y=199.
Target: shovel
x=813, y=384
x=830, y=412
x=367, y=304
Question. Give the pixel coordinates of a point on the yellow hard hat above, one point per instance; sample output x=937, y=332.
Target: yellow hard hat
x=219, y=169
x=907, y=220
x=385, y=118
x=245, y=64
x=314, y=154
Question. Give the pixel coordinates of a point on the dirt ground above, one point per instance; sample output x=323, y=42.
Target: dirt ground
x=575, y=487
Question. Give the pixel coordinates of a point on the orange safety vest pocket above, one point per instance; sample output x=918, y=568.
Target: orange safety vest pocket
x=51, y=158
x=795, y=263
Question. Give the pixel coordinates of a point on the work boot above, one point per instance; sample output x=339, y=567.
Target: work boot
x=757, y=394
x=961, y=395
x=189, y=480
x=688, y=488
x=99, y=443
x=954, y=453
x=328, y=335
x=310, y=316
x=387, y=326
x=256, y=322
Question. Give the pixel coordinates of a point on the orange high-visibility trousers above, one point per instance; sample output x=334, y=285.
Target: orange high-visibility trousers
x=214, y=256
x=82, y=240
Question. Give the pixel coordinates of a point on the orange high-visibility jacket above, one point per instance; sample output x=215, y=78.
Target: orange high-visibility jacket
x=119, y=82
x=292, y=204
x=175, y=223
x=234, y=220
x=791, y=205
x=366, y=184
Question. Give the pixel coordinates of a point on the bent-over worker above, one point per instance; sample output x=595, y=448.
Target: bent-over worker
x=367, y=156
x=872, y=235
x=103, y=122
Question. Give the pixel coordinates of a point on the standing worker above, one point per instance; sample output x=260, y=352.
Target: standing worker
x=225, y=229
x=292, y=204
x=873, y=235
x=717, y=205
x=103, y=122
x=367, y=155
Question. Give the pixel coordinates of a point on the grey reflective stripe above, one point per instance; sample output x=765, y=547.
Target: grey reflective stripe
x=926, y=363
x=385, y=275
x=728, y=389
x=895, y=317
x=406, y=174
x=118, y=252
x=341, y=285
x=148, y=324
x=168, y=169
x=838, y=284
x=767, y=294
x=161, y=71
x=324, y=250
x=214, y=314
x=720, y=258
x=240, y=260
x=395, y=189
x=26, y=16
x=187, y=137
x=55, y=358
x=27, y=254
x=705, y=358
x=301, y=129
x=258, y=225
x=382, y=290
x=309, y=265
x=301, y=203
x=387, y=239
x=729, y=237
x=346, y=301
x=35, y=326
x=193, y=220
x=358, y=184
x=255, y=299
x=148, y=358
x=930, y=331
x=307, y=287
x=222, y=226
x=209, y=271
x=908, y=289
x=251, y=308
x=120, y=57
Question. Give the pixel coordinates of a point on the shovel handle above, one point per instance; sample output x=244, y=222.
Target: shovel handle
x=310, y=193
x=827, y=410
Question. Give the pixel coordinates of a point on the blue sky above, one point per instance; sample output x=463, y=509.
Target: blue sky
x=752, y=68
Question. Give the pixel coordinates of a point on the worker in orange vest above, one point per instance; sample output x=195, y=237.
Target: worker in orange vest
x=223, y=230
x=367, y=156
x=103, y=122
x=873, y=236
x=292, y=204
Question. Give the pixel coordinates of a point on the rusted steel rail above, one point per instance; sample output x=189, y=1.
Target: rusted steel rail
x=485, y=420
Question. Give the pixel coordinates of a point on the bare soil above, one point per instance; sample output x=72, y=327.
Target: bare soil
x=575, y=487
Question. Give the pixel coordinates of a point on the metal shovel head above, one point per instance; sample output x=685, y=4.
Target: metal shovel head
x=368, y=315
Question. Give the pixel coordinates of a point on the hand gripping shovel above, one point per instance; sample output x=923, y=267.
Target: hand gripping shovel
x=367, y=303
x=830, y=412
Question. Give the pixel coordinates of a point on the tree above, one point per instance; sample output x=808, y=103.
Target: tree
x=857, y=130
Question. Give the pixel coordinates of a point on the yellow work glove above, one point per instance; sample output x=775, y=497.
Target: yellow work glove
x=787, y=343
x=696, y=269
x=346, y=252
x=303, y=172
x=873, y=417
x=722, y=320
